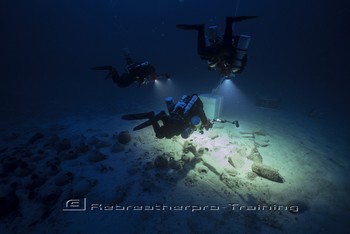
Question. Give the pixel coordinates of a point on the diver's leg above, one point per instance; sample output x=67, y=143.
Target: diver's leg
x=239, y=18
x=201, y=45
x=161, y=131
x=108, y=68
x=204, y=51
x=228, y=34
x=112, y=71
x=190, y=26
x=146, y=115
x=158, y=130
x=124, y=80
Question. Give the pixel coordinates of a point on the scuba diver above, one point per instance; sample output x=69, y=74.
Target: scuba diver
x=142, y=73
x=185, y=116
x=226, y=54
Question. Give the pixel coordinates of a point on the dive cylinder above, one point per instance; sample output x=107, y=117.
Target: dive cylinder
x=241, y=50
x=190, y=104
x=212, y=34
x=169, y=103
x=180, y=104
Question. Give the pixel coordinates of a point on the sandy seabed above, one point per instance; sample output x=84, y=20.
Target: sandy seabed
x=278, y=172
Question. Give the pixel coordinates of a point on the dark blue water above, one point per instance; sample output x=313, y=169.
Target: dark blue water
x=298, y=55
x=298, y=52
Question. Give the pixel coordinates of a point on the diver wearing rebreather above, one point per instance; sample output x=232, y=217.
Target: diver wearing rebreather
x=226, y=54
x=139, y=72
x=185, y=116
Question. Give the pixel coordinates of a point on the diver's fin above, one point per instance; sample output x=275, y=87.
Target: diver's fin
x=147, y=115
x=144, y=125
x=109, y=68
x=149, y=122
x=239, y=18
x=190, y=26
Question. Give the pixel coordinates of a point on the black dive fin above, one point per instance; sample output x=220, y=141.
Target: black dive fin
x=149, y=122
x=108, y=68
x=239, y=18
x=146, y=115
x=190, y=26
x=144, y=125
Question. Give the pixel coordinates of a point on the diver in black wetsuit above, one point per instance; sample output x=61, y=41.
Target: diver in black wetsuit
x=228, y=54
x=185, y=116
x=142, y=73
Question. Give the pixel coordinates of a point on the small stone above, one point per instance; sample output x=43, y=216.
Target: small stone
x=64, y=144
x=37, y=136
x=186, y=158
x=189, y=147
x=267, y=172
x=124, y=137
x=255, y=155
x=52, y=141
x=201, y=151
x=176, y=164
x=24, y=169
x=235, y=161
x=213, y=135
x=231, y=172
x=81, y=189
x=161, y=161
x=64, y=178
x=96, y=157
x=202, y=170
x=36, y=180
x=53, y=166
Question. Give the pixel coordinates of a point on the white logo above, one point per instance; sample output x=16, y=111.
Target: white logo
x=75, y=205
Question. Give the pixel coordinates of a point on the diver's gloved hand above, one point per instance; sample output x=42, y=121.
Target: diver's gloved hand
x=236, y=123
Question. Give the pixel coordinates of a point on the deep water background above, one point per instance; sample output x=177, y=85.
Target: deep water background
x=298, y=54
